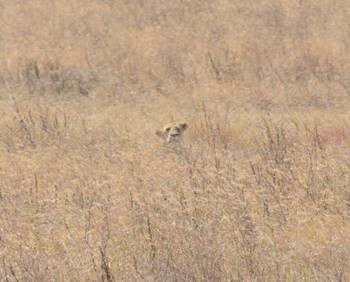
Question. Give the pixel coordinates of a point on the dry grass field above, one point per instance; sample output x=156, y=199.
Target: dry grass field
x=259, y=189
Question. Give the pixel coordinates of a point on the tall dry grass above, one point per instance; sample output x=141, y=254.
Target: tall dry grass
x=259, y=189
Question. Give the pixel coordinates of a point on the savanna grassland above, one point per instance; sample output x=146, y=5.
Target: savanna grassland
x=259, y=189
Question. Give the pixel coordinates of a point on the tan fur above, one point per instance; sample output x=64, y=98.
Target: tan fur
x=172, y=132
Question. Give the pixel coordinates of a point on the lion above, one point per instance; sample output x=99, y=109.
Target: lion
x=172, y=132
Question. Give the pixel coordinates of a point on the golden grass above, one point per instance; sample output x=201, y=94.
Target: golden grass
x=259, y=189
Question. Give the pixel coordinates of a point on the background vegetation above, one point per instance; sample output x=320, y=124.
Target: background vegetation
x=259, y=190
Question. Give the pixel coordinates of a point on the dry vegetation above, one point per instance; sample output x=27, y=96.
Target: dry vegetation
x=260, y=188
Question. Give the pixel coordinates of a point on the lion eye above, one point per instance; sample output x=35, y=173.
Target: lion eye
x=167, y=129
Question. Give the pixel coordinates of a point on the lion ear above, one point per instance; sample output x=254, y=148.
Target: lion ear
x=159, y=133
x=184, y=126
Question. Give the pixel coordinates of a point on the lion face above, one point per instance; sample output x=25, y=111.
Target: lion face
x=172, y=132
